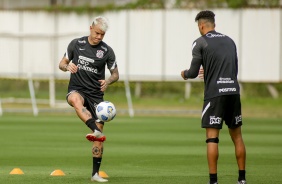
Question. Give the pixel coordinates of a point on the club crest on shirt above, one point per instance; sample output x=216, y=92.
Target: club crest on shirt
x=99, y=54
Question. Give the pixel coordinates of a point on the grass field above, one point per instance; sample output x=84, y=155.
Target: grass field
x=140, y=150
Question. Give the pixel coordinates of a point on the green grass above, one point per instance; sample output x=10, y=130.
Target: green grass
x=140, y=150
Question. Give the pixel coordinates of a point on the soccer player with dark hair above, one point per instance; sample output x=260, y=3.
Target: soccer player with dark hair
x=85, y=59
x=217, y=54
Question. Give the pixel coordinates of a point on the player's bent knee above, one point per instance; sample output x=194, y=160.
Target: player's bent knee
x=74, y=100
x=213, y=140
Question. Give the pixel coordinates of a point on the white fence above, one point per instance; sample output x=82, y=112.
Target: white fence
x=149, y=45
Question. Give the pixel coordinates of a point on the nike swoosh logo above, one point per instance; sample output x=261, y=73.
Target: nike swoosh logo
x=81, y=49
x=194, y=44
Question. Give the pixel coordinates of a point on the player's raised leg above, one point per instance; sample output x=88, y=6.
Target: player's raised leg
x=77, y=101
x=240, y=152
x=96, y=135
x=212, y=153
x=97, y=153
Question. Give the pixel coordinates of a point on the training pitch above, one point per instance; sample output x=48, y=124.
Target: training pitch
x=140, y=150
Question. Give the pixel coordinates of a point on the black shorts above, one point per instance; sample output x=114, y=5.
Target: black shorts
x=89, y=102
x=225, y=108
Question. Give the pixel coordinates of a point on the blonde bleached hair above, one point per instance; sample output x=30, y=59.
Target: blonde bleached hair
x=102, y=22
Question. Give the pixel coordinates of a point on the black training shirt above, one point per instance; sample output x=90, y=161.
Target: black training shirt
x=217, y=54
x=91, y=61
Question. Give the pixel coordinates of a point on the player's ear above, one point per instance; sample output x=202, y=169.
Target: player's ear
x=202, y=27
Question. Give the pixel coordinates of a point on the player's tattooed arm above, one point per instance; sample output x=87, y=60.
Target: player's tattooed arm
x=64, y=63
x=114, y=76
x=86, y=112
x=67, y=65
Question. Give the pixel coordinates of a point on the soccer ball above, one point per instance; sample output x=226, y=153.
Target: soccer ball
x=106, y=111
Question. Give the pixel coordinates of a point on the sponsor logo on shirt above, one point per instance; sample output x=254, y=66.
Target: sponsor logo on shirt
x=224, y=90
x=83, y=59
x=83, y=64
x=224, y=80
x=211, y=35
x=215, y=120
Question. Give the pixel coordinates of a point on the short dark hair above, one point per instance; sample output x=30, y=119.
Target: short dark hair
x=206, y=14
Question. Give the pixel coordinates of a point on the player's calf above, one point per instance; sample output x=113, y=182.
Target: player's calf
x=91, y=123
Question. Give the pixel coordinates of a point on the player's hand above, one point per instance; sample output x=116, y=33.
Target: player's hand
x=104, y=85
x=201, y=73
x=72, y=68
x=182, y=75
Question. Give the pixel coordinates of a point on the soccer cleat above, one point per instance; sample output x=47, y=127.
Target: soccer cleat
x=97, y=178
x=212, y=183
x=96, y=136
x=242, y=182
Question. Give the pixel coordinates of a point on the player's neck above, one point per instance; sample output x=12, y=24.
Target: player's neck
x=208, y=30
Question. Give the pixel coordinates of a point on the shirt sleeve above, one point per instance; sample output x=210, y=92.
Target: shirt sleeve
x=111, y=63
x=197, y=48
x=194, y=69
x=70, y=50
x=236, y=60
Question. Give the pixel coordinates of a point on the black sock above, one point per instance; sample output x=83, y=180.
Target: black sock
x=96, y=165
x=92, y=125
x=213, y=178
x=242, y=175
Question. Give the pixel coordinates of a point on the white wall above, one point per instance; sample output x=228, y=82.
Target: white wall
x=261, y=45
x=149, y=45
